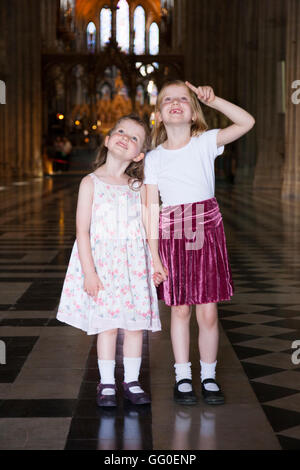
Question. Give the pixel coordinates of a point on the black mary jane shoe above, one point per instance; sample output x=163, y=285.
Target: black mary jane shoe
x=106, y=400
x=210, y=397
x=140, y=398
x=184, y=398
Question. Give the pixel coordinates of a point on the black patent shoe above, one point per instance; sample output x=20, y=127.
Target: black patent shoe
x=141, y=398
x=106, y=400
x=184, y=398
x=212, y=398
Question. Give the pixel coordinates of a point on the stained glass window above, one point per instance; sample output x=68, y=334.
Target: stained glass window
x=123, y=25
x=153, y=39
x=139, y=30
x=91, y=36
x=105, y=26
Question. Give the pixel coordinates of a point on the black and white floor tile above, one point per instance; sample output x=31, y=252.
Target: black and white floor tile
x=47, y=385
x=263, y=320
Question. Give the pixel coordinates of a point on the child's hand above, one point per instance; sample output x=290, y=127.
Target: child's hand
x=160, y=273
x=205, y=94
x=92, y=284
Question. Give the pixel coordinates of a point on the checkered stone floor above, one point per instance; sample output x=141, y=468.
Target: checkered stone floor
x=263, y=320
x=50, y=372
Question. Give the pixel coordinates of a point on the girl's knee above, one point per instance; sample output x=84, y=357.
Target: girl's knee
x=207, y=316
x=181, y=312
x=210, y=321
x=133, y=333
x=107, y=333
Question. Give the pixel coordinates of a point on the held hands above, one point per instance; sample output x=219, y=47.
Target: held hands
x=92, y=284
x=160, y=273
x=205, y=94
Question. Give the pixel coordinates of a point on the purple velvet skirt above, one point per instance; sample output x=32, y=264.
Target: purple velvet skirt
x=192, y=245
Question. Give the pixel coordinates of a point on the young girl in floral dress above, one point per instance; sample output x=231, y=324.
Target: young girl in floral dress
x=109, y=282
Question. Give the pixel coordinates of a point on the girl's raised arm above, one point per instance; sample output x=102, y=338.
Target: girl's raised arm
x=242, y=120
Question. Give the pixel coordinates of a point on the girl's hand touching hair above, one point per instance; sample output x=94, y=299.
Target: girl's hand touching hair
x=205, y=94
x=92, y=284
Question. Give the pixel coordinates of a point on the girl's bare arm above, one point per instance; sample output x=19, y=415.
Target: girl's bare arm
x=152, y=198
x=242, y=120
x=152, y=230
x=83, y=221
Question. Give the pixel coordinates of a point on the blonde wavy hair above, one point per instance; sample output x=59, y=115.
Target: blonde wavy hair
x=199, y=125
x=135, y=170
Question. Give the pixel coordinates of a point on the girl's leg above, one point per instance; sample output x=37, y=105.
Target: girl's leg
x=106, y=351
x=132, y=355
x=106, y=344
x=180, y=332
x=132, y=358
x=133, y=343
x=180, y=336
x=207, y=317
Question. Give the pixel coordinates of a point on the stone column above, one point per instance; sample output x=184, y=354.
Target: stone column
x=25, y=88
x=209, y=43
x=3, y=107
x=36, y=96
x=269, y=120
x=49, y=23
x=245, y=74
x=21, y=124
x=131, y=28
x=178, y=25
x=97, y=24
x=291, y=173
x=14, y=115
x=114, y=23
x=211, y=57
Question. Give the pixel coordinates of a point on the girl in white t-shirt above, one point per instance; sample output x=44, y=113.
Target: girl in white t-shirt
x=187, y=237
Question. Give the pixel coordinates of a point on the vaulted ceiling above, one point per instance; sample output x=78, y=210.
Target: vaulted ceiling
x=87, y=9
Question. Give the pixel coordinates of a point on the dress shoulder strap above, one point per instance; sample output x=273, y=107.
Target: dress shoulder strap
x=93, y=176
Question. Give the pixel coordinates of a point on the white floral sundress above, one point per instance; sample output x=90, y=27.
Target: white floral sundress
x=123, y=263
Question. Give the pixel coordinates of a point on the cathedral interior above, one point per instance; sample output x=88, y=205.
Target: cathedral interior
x=69, y=69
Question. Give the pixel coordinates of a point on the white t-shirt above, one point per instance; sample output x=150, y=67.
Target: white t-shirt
x=185, y=175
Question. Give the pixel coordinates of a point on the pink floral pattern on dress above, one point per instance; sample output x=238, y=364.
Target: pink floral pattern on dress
x=123, y=263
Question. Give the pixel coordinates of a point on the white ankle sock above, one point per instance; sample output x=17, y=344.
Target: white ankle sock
x=208, y=371
x=183, y=371
x=107, y=374
x=132, y=371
